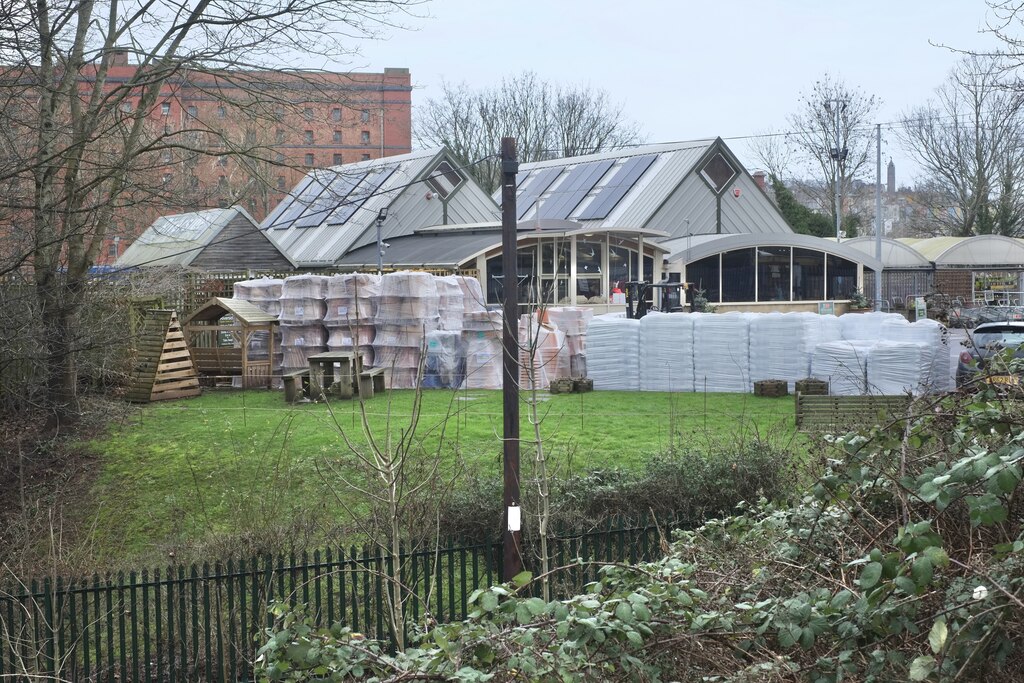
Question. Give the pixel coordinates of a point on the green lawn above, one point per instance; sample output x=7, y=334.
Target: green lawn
x=182, y=476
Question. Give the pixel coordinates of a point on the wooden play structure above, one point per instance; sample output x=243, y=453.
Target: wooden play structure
x=165, y=369
x=232, y=338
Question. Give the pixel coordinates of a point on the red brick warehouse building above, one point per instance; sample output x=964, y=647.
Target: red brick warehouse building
x=246, y=137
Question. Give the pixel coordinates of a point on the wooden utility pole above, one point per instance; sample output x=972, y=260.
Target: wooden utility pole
x=512, y=556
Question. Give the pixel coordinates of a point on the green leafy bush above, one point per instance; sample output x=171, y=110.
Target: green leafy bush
x=903, y=561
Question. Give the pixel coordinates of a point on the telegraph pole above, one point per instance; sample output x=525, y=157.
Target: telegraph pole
x=512, y=556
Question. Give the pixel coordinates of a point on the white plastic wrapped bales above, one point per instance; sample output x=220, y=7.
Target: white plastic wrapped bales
x=613, y=353
x=866, y=325
x=781, y=345
x=899, y=367
x=666, y=351
x=721, y=352
x=938, y=376
x=843, y=364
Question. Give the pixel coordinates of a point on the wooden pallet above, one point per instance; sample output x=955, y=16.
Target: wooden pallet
x=841, y=412
x=165, y=369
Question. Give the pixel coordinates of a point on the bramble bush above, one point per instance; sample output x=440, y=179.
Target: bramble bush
x=903, y=561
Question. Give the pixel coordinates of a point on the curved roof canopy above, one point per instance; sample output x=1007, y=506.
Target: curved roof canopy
x=453, y=246
x=895, y=253
x=696, y=247
x=983, y=251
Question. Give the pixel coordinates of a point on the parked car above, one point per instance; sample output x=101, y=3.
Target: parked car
x=989, y=340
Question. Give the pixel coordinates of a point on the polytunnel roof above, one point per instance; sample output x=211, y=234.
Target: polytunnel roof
x=695, y=247
x=895, y=253
x=981, y=251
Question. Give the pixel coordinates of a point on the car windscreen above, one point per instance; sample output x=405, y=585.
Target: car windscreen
x=1008, y=337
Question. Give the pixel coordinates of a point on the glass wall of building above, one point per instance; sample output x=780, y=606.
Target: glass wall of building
x=548, y=273
x=768, y=274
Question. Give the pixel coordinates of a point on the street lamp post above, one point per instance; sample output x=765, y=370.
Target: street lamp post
x=838, y=155
x=382, y=215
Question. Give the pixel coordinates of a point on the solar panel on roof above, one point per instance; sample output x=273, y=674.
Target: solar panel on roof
x=274, y=220
x=363, y=191
x=621, y=183
x=573, y=189
x=541, y=182
x=332, y=194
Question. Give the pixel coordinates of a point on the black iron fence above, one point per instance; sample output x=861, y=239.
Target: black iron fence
x=205, y=623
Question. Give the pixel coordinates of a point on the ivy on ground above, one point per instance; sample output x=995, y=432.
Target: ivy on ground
x=903, y=561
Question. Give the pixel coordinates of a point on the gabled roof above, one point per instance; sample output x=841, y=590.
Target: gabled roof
x=895, y=253
x=176, y=240
x=664, y=187
x=243, y=311
x=333, y=210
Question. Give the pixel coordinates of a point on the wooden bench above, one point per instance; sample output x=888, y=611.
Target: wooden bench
x=845, y=412
x=296, y=384
x=370, y=382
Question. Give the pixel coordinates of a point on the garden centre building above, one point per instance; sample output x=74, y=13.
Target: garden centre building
x=684, y=211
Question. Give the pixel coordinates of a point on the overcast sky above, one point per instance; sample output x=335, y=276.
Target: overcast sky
x=688, y=69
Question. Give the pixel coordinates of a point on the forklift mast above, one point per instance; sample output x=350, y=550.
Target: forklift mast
x=636, y=296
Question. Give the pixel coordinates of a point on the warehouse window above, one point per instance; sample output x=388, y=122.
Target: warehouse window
x=773, y=273
x=808, y=275
x=738, y=275
x=704, y=275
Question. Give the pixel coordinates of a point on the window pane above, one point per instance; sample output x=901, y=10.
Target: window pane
x=588, y=257
x=738, y=275
x=773, y=274
x=704, y=276
x=549, y=265
x=496, y=280
x=618, y=266
x=842, y=278
x=808, y=275
x=555, y=290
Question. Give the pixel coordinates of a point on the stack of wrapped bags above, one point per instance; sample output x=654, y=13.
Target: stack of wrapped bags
x=265, y=294
x=406, y=310
x=573, y=323
x=350, y=312
x=721, y=352
x=303, y=306
x=543, y=354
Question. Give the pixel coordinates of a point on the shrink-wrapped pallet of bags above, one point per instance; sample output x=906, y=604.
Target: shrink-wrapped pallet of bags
x=938, y=377
x=450, y=303
x=781, y=345
x=543, y=353
x=350, y=313
x=481, y=338
x=303, y=306
x=405, y=310
x=843, y=364
x=573, y=322
x=443, y=366
x=666, y=351
x=721, y=351
x=613, y=353
x=899, y=367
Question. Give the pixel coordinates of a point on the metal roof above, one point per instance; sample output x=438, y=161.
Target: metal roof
x=176, y=240
x=895, y=253
x=670, y=195
x=694, y=248
x=334, y=210
x=243, y=311
x=979, y=251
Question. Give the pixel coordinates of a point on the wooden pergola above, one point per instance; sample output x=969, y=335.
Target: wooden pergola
x=232, y=338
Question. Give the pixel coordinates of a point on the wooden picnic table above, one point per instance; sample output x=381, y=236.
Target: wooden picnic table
x=334, y=371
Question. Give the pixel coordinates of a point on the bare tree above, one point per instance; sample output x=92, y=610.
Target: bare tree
x=774, y=151
x=815, y=133
x=547, y=120
x=80, y=150
x=969, y=142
